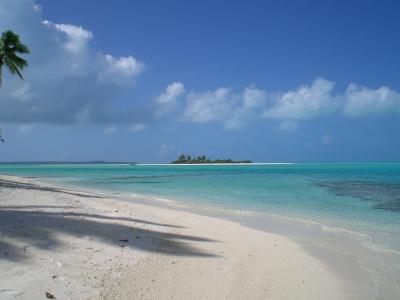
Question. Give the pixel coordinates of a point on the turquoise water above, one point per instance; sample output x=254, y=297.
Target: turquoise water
x=361, y=198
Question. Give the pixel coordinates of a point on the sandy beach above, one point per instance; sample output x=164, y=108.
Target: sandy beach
x=72, y=244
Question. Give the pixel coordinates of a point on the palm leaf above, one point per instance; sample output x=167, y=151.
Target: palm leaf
x=13, y=68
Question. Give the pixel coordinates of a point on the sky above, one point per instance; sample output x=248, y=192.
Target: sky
x=145, y=81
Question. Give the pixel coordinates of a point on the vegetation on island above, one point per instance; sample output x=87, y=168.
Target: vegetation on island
x=187, y=159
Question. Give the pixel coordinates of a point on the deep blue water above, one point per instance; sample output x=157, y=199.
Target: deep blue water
x=362, y=198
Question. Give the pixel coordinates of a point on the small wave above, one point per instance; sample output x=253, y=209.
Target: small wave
x=165, y=200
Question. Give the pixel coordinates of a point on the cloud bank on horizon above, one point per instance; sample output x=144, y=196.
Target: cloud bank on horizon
x=307, y=102
x=69, y=82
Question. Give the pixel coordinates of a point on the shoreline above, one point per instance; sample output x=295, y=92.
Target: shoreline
x=318, y=261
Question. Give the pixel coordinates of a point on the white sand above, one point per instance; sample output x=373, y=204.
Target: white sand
x=69, y=245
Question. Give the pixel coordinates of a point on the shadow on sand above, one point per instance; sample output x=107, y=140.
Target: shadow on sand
x=22, y=227
x=30, y=186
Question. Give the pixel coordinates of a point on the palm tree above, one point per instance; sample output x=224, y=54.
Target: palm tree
x=10, y=46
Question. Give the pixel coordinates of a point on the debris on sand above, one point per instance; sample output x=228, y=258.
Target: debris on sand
x=50, y=295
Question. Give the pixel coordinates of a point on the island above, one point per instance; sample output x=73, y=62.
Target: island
x=187, y=159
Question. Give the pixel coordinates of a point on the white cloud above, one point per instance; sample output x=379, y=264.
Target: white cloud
x=304, y=103
x=137, y=127
x=360, y=101
x=77, y=37
x=109, y=130
x=210, y=106
x=253, y=97
x=120, y=69
x=167, y=101
x=67, y=80
x=250, y=103
x=235, y=110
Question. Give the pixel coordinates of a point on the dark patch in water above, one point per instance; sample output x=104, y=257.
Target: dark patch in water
x=387, y=195
x=126, y=182
x=147, y=182
x=155, y=176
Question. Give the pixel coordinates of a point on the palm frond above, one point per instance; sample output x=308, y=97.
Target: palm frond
x=12, y=67
x=21, y=48
x=18, y=61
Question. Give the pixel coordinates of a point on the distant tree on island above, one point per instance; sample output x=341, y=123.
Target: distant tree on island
x=187, y=159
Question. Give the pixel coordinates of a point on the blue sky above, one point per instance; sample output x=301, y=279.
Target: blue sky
x=148, y=80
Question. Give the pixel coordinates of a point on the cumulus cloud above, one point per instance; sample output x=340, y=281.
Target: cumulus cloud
x=234, y=110
x=167, y=102
x=306, y=102
x=119, y=70
x=209, y=106
x=67, y=81
x=361, y=101
x=250, y=102
x=77, y=38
